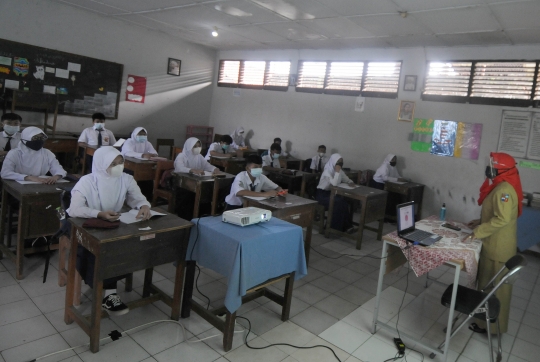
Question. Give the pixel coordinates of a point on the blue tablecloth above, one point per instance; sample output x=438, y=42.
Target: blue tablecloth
x=248, y=255
x=528, y=228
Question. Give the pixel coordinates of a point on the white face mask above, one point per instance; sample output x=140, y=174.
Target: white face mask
x=116, y=171
x=321, y=154
x=99, y=125
x=197, y=150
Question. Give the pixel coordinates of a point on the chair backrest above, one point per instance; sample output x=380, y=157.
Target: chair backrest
x=367, y=175
x=307, y=165
x=176, y=151
x=161, y=167
x=217, y=137
x=512, y=267
x=168, y=142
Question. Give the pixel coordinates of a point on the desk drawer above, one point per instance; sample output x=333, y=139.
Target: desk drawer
x=302, y=219
x=39, y=215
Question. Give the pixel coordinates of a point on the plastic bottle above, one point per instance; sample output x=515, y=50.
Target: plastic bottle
x=442, y=214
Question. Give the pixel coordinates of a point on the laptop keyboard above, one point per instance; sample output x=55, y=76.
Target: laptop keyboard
x=418, y=235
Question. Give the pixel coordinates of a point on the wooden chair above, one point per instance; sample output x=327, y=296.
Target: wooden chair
x=176, y=151
x=160, y=192
x=217, y=137
x=167, y=142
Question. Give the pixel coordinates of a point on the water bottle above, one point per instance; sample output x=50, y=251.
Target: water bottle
x=442, y=214
x=60, y=213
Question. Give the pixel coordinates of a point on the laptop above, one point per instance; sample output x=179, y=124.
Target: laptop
x=406, y=227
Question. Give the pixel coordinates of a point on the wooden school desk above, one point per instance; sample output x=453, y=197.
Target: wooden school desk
x=232, y=165
x=122, y=251
x=206, y=188
x=354, y=175
x=413, y=192
x=292, y=183
x=291, y=163
x=372, y=203
x=37, y=217
x=450, y=250
x=251, y=258
x=143, y=170
x=87, y=150
x=245, y=153
x=294, y=209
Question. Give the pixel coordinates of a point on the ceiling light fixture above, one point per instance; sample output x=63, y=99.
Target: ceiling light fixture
x=214, y=32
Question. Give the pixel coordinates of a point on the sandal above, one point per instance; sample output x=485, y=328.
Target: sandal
x=474, y=327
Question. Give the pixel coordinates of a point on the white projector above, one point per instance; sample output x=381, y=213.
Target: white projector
x=246, y=216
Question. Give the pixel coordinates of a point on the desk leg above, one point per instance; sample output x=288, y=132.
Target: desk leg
x=380, y=229
x=19, y=258
x=95, y=318
x=382, y=271
x=215, y=197
x=361, y=225
x=330, y=214
x=287, y=296
x=70, y=288
x=3, y=218
x=307, y=241
x=147, y=282
x=197, y=205
x=228, y=331
x=178, y=288
x=188, y=288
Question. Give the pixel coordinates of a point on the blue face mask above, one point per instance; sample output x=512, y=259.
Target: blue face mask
x=225, y=147
x=141, y=139
x=11, y=129
x=256, y=172
x=99, y=125
x=275, y=156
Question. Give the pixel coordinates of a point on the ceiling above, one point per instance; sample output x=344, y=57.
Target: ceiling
x=330, y=24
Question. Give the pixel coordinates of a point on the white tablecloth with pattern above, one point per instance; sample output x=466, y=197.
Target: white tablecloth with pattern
x=422, y=259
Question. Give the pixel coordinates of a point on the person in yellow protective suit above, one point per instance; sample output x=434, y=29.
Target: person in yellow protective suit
x=500, y=196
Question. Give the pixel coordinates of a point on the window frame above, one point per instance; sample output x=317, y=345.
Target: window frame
x=228, y=85
x=251, y=86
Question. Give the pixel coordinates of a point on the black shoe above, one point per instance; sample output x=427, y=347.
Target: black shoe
x=113, y=305
x=474, y=327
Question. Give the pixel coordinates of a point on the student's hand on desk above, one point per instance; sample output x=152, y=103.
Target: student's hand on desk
x=109, y=215
x=473, y=223
x=147, y=155
x=351, y=184
x=270, y=193
x=197, y=172
x=469, y=238
x=43, y=180
x=216, y=171
x=144, y=213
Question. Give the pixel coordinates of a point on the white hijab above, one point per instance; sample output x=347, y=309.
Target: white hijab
x=27, y=135
x=139, y=147
x=387, y=169
x=331, y=164
x=35, y=163
x=237, y=137
x=102, y=191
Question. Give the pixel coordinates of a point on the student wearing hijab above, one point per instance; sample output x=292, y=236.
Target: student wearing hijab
x=333, y=175
x=501, y=199
x=10, y=137
x=102, y=194
x=30, y=160
x=190, y=159
x=138, y=145
x=386, y=172
x=238, y=138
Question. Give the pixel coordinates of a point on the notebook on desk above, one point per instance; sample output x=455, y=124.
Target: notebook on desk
x=406, y=227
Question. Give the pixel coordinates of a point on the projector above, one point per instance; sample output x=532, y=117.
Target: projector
x=246, y=216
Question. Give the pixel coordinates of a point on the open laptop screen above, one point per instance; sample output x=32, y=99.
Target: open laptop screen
x=405, y=216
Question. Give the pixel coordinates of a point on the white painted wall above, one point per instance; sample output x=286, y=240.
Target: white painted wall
x=171, y=102
x=306, y=120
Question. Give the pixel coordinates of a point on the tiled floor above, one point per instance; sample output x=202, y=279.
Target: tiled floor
x=332, y=306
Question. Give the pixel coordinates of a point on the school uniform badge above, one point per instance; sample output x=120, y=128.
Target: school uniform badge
x=505, y=197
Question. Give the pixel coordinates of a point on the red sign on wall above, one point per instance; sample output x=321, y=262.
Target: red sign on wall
x=136, y=89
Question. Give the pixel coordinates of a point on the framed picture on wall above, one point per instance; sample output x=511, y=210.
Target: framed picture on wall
x=406, y=111
x=173, y=66
x=410, y=83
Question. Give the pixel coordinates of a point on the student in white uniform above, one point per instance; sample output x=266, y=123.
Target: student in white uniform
x=334, y=175
x=220, y=149
x=191, y=160
x=319, y=161
x=97, y=135
x=238, y=138
x=270, y=162
x=30, y=160
x=250, y=183
x=11, y=135
x=102, y=194
x=138, y=145
x=278, y=141
x=386, y=172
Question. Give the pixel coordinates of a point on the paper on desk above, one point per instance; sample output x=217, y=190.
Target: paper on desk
x=343, y=185
x=206, y=173
x=257, y=198
x=399, y=182
x=34, y=182
x=221, y=157
x=131, y=216
x=119, y=143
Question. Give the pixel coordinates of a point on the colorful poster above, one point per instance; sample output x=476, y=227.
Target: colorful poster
x=136, y=89
x=5, y=70
x=422, y=133
x=468, y=140
x=444, y=138
x=21, y=66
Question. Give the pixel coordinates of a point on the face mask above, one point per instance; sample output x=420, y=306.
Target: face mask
x=116, y=171
x=98, y=126
x=197, y=150
x=141, y=138
x=225, y=147
x=393, y=163
x=340, y=164
x=11, y=129
x=256, y=172
x=275, y=156
x=491, y=172
x=321, y=154
x=34, y=145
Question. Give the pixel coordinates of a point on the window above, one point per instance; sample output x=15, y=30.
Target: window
x=344, y=78
x=382, y=79
x=228, y=72
x=448, y=79
x=504, y=83
x=252, y=74
x=311, y=76
x=277, y=76
x=537, y=90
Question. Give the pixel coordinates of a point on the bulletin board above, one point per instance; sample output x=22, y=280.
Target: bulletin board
x=79, y=85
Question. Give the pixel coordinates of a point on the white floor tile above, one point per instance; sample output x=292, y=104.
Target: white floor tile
x=244, y=354
x=195, y=324
x=39, y=348
x=56, y=318
x=124, y=349
x=51, y=302
x=6, y=279
x=76, y=337
x=216, y=342
x=362, y=319
x=345, y=336
x=525, y=350
x=262, y=320
x=289, y=333
x=18, y=311
x=529, y=334
x=160, y=337
x=139, y=316
x=16, y=334
x=319, y=354
x=375, y=349
x=12, y=293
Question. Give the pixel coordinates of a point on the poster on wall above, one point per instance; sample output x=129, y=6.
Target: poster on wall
x=444, y=138
x=136, y=89
x=468, y=140
x=533, y=151
x=422, y=134
x=514, y=134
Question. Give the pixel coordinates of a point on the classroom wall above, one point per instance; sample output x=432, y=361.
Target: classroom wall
x=171, y=102
x=305, y=120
